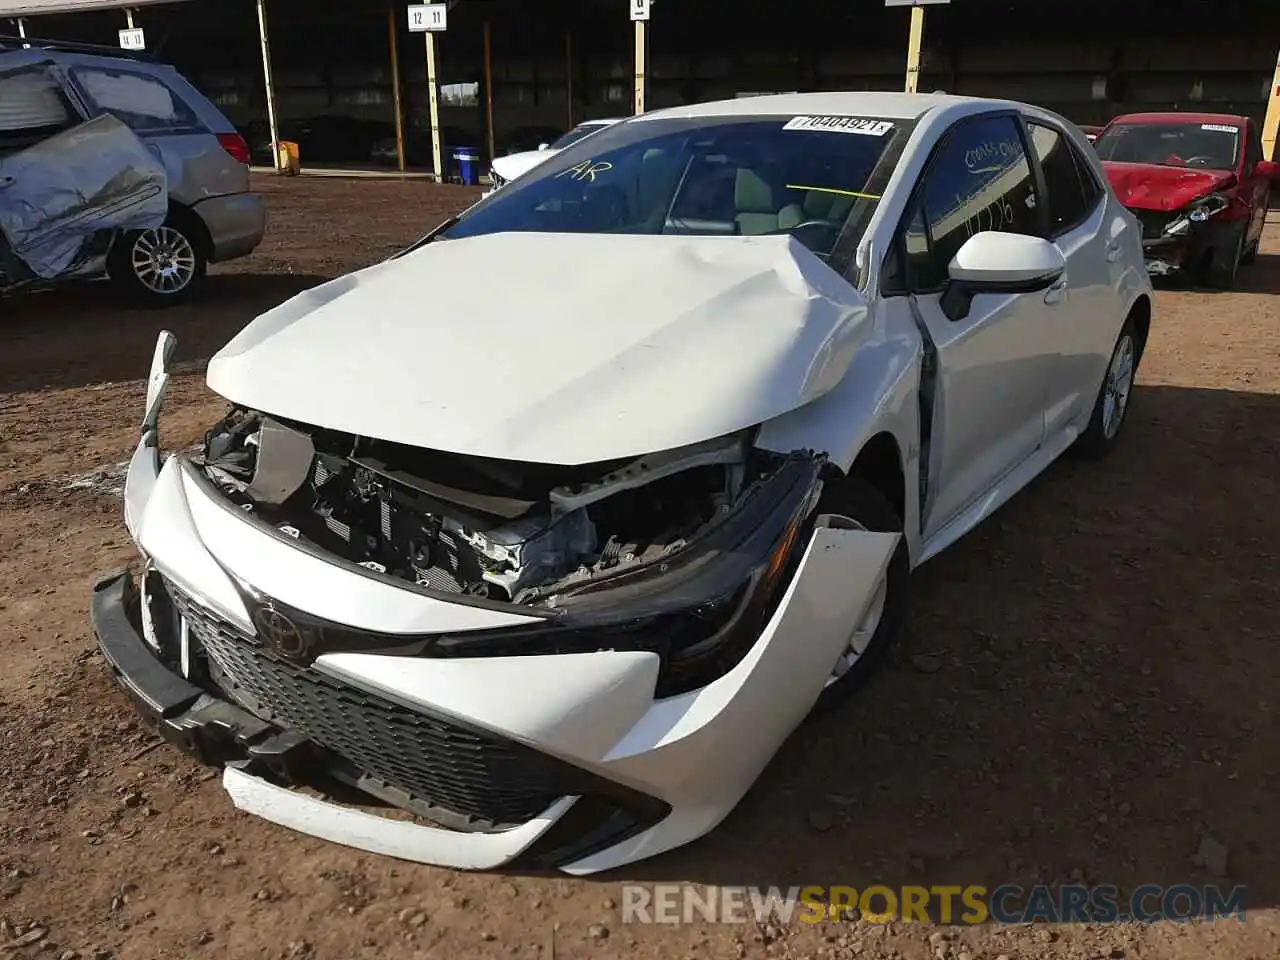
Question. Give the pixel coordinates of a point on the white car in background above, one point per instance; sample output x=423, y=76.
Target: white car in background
x=555, y=565
x=505, y=169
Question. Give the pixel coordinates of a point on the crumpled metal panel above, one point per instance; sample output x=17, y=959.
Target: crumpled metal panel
x=58, y=193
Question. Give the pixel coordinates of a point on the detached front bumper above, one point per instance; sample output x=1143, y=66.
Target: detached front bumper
x=263, y=761
x=548, y=759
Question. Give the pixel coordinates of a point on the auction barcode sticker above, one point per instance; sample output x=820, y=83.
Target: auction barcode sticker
x=868, y=128
x=1219, y=127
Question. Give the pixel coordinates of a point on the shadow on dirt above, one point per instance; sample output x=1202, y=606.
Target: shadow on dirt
x=75, y=336
x=1087, y=689
x=1261, y=276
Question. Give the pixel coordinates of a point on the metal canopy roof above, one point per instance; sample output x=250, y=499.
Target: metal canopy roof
x=33, y=8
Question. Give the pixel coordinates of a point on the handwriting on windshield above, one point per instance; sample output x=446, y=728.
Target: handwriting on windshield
x=587, y=170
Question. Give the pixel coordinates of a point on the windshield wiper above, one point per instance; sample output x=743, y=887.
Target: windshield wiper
x=420, y=243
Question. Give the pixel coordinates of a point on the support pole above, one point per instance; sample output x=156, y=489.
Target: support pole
x=914, y=41
x=641, y=52
x=488, y=88
x=395, y=86
x=271, y=90
x=1271, y=125
x=568, y=73
x=22, y=29
x=433, y=91
x=128, y=17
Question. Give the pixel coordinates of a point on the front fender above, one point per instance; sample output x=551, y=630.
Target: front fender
x=879, y=393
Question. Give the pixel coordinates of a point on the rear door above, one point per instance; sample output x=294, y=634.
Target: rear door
x=1076, y=216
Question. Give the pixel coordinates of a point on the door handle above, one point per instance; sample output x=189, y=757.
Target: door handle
x=1113, y=251
x=1055, y=293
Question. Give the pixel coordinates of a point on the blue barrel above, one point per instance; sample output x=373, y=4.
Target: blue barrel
x=469, y=164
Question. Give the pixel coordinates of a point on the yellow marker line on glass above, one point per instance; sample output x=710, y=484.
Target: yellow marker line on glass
x=843, y=193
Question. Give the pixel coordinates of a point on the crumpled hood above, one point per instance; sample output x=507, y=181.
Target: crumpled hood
x=1149, y=186
x=514, y=164
x=554, y=348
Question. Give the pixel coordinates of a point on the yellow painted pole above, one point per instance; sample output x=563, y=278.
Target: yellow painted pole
x=914, y=41
x=488, y=87
x=128, y=18
x=271, y=90
x=433, y=90
x=1271, y=125
x=641, y=37
x=395, y=86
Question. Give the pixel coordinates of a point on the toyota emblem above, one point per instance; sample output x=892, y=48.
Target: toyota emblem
x=280, y=632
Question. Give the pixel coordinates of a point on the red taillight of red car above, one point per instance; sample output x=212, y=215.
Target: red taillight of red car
x=235, y=145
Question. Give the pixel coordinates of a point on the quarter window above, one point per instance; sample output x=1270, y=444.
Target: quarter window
x=144, y=103
x=979, y=180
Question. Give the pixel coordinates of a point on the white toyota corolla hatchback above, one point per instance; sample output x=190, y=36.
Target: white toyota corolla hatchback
x=549, y=562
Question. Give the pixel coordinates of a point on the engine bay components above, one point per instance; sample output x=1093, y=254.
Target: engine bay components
x=499, y=530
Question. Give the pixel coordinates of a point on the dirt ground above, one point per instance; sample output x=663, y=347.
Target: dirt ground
x=1088, y=686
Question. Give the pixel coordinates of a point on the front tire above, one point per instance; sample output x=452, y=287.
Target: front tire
x=1111, y=408
x=1223, y=264
x=161, y=266
x=866, y=508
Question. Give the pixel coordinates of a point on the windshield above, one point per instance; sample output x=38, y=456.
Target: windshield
x=576, y=134
x=1213, y=146
x=709, y=176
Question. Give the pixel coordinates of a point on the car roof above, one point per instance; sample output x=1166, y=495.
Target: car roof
x=1176, y=116
x=871, y=103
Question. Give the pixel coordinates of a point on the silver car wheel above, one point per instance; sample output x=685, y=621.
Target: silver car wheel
x=164, y=260
x=1115, y=399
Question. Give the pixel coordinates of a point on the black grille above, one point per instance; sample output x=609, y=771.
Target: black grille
x=1153, y=222
x=476, y=781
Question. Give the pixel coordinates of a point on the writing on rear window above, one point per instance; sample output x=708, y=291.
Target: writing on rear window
x=1218, y=127
x=869, y=128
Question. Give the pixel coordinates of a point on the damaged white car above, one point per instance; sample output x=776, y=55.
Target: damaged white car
x=551, y=584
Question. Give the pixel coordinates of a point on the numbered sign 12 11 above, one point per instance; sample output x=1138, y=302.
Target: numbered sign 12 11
x=428, y=17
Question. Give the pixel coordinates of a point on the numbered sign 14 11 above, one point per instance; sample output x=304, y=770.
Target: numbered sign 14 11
x=133, y=39
x=428, y=17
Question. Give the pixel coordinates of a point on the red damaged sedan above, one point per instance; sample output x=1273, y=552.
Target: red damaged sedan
x=1199, y=185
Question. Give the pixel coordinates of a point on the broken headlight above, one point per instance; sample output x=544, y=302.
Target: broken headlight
x=700, y=609
x=1198, y=212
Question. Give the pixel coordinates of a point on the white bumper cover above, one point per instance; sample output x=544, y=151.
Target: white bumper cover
x=698, y=752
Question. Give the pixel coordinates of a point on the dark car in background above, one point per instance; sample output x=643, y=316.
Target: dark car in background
x=1199, y=185
x=417, y=146
x=328, y=138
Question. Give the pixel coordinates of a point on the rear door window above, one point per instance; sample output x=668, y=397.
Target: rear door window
x=32, y=108
x=1252, y=150
x=1070, y=198
x=143, y=102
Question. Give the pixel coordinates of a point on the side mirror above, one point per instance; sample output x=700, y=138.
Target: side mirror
x=544, y=146
x=991, y=262
x=1269, y=169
